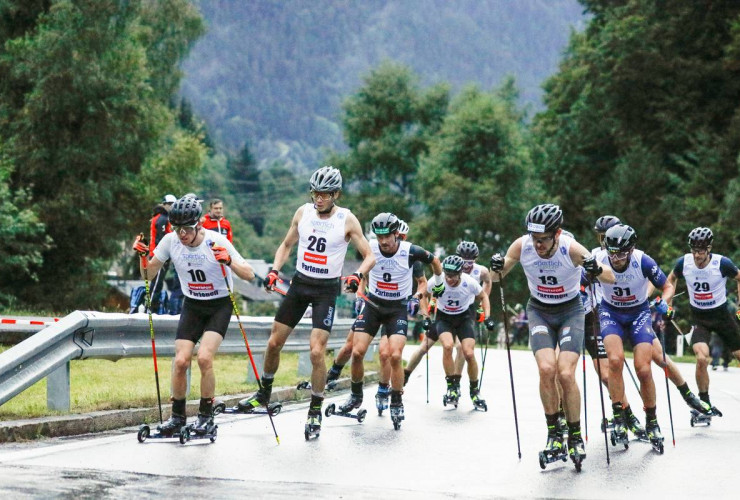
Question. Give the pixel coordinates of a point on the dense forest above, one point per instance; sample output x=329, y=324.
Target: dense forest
x=639, y=119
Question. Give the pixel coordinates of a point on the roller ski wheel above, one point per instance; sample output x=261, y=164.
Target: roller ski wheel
x=184, y=435
x=622, y=439
x=304, y=385
x=312, y=429
x=655, y=437
x=397, y=416
x=554, y=450
x=577, y=452
x=346, y=411
x=143, y=433
x=700, y=419
x=450, y=399
x=170, y=429
x=381, y=400
x=478, y=402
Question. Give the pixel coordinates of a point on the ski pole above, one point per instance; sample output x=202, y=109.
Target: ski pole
x=598, y=368
x=508, y=353
x=483, y=355
x=632, y=376
x=667, y=391
x=585, y=405
x=246, y=343
x=144, y=263
x=433, y=315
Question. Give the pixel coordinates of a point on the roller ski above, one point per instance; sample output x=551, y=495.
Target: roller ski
x=618, y=433
x=170, y=429
x=633, y=425
x=478, y=402
x=381, y=399
x=554, y=449
x=576, y=450
x=452, y=397
x=312, y=428
x=273, y=408
x=697, y=405
x=204, y=428
x=654, y=436
x=397, y=415
x=331, y=385
x=702, y=419
x=345, y=410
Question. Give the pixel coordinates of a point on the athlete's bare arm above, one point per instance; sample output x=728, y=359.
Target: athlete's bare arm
x=578, y=253
x=283, y=251
x=510, y=260
x=673, y=280
x=355, y=236
x=152, y=267
x=485, y=281
x=485, y=303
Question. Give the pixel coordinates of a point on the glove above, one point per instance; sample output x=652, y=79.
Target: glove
x=663, y=308
x=438, y=290
x=271, y=279
x=481, y=316
x=353, y=282
x=670, y=313
x=497, y=262
x=412, y=308
x=222, y=255
x=490, y=325
x=358, y=306
x=591, y=266
x=140, y=246
x=426, y=324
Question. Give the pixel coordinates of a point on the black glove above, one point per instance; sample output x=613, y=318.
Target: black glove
x=426, y=324
x=353, y=282
x=497, y=262
x=490, y=325
x=591, y=266
x=271, y=279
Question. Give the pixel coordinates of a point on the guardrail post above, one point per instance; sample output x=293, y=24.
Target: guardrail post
x=57, y=389
x=304, y=363
x=370, y=352
x=259, y=360
x=679, y=345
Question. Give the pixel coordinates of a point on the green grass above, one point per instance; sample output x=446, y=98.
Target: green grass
x=98, y=384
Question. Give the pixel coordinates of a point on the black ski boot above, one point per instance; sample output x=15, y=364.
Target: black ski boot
x=576, y=449
x=259, y=398
x=332, y=377
x=204, y=425
x=381, y=398
x=397, y=415
x=619, y=431
x=354, y=401
x=654, y=435
x=453, y=394
x=635, y=427
x=696, y=404
x=172, y=427
x=313, y=423
x=478, y=402
x=554, y=449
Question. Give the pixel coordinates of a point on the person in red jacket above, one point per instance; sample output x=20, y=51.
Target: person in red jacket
x=160, y=225
x=215, y=220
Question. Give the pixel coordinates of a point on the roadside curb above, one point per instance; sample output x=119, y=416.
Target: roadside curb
x=99, y=421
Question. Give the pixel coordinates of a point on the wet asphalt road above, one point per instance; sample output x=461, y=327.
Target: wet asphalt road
x=439, y=452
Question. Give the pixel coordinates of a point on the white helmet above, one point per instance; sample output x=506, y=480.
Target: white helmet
x=326, y=180
x=403, y=228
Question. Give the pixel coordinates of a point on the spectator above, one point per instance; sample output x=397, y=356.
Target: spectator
x=160, y=225
x=215, y=220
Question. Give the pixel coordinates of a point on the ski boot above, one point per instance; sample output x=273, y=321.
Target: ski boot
x=697, y=404
x=618, y=433
x=607, y=425
x=576, y=450
x=273, y=408
x=702, y=419
x=332, y=378
x=345, y=410
x=204, y=428
x=478, y=402
x=554, y=449
x=654, y=435
x=635, y=427
x=563, y=427
x=169, y=429
x=313, y=423
x=250, y=404
x=397, y=415
x=381, y=399
x=452, y=397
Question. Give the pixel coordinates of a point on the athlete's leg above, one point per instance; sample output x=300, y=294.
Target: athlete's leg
x=360, y=345
x=615, y=354
x=317, y=343
x=396, y=344
x=459, y=357
x=278, y=336
x=643, y=354
x=448, y=342
x=468, y=349
x=567, y=362
x=419, y=353
x=209, y=344
x=345, y=352
x=547, y=366
x=384, y=355
x=701, y=350
x=183, y=355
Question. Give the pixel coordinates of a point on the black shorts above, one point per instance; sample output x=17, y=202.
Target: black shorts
x=461, y=326
x=392, y=315
x=200, y=316
x=718, y=320
x=320, y=294
x=588, y=336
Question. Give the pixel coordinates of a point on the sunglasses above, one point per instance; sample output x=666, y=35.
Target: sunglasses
x=321, y=196
x=185, y=229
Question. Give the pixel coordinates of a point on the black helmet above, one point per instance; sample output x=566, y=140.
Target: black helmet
x=452, y=264
x=186, y=211
x=385, y=223
x=620, y=238
x=468, y=250
x=544, y=219
x=605, y=222
x=403, y=228
x=700, y=237
x=326, y=180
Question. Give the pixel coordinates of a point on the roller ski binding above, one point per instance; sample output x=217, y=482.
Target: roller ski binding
x=170, y=429
x=703, y=419
x=452, y=397
x=618, y=434
x=554, y=449
x=654, y=436
x=204, y=428
x=576, y=451
x=381, y=399
x=397, y=415
x=697, y=405
x=331, y=384
x=345, y=410
x=273, y=408
x=312, y=428
x=478, y=402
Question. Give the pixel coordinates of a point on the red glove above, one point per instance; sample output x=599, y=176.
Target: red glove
x=271, y=279
x=140, y=246
x=222, y=255
x=481, y=315
x=353, y=282
x=737, y=313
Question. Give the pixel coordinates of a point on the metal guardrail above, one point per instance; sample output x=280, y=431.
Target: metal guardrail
x=96, y=335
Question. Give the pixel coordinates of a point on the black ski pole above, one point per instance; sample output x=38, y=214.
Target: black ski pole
x=632, y=376
x=667, y=388
x=483, y=355
x=151, y=329
x=598, y=368
x=585, y=405
x=508, y=353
